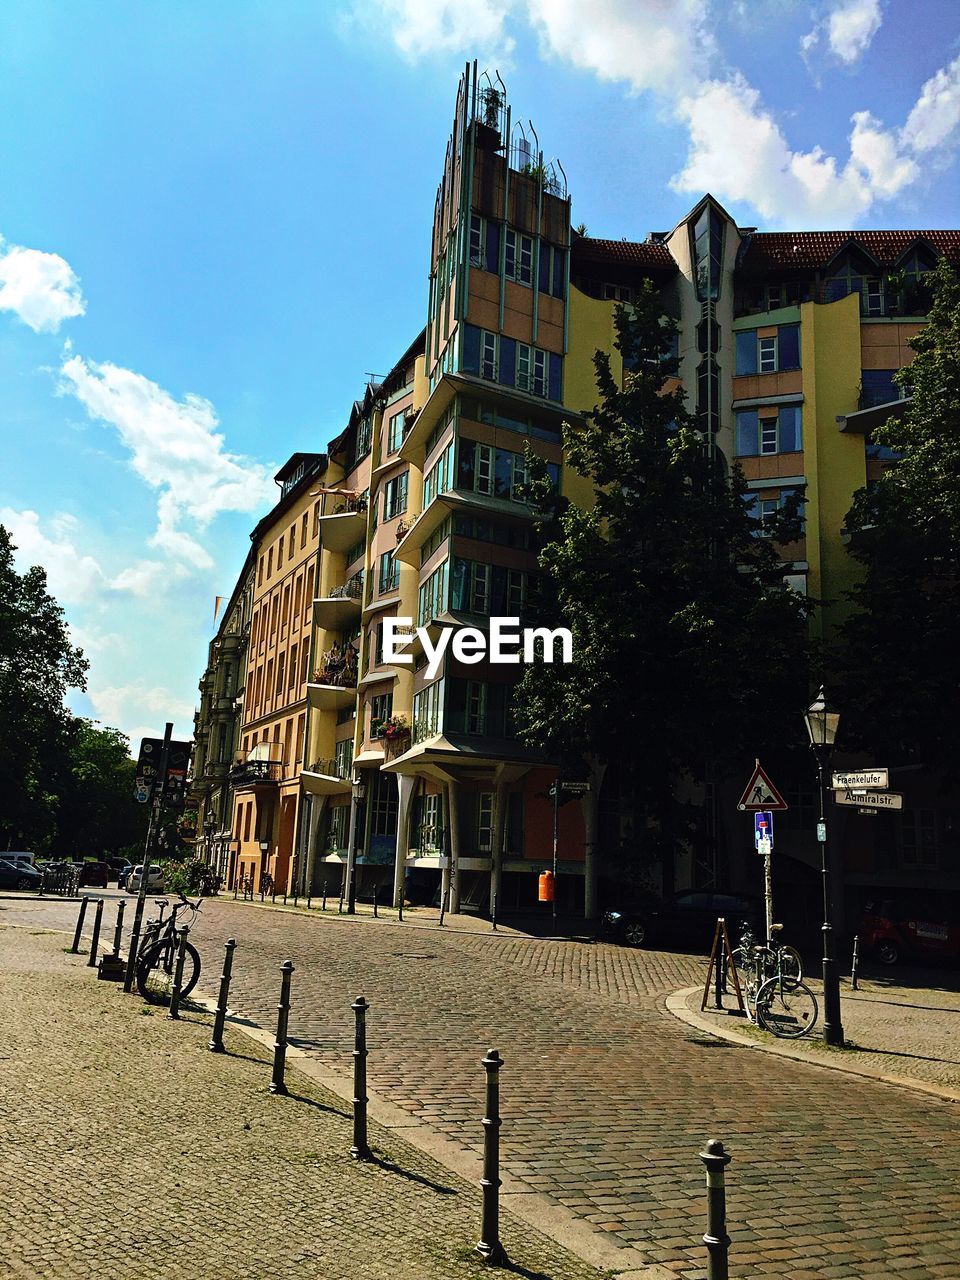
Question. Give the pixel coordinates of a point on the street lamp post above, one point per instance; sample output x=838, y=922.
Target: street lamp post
x=822, y=725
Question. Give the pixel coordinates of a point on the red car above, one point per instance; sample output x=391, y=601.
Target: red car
x=922, y=931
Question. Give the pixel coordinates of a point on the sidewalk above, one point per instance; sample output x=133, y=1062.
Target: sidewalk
x=902, y=1026
x=126, y=1148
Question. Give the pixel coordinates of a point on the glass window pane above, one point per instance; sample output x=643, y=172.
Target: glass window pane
x=790, y=346
x=747, y=352
x=790, y=441
x=747, y=433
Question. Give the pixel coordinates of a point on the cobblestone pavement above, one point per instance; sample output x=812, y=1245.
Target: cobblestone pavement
x=127, y=1149
x=607, y=1099
x=912, y=1033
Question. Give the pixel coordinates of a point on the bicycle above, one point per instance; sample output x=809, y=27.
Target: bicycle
x=776, y=996
x=157, y=961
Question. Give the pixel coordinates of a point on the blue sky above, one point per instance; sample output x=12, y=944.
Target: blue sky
x=215, y=222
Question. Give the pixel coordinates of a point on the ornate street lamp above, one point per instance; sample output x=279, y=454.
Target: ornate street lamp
x=822, y=723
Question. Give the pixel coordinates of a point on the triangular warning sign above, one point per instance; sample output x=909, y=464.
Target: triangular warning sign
x=760, y=793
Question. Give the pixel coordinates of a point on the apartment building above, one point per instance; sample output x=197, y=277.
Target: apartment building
x=361, y=773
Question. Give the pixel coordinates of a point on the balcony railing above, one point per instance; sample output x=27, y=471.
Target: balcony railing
x=251, y=771
x=352, y=589
x=335, y=504
x=329, y=768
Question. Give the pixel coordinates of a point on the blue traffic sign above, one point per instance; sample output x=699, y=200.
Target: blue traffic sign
x=763, y=827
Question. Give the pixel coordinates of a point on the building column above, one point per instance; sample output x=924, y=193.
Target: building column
x=500, y=799
x=591, y=805
x=406, y=788
x=453, y=819
x=314, y=818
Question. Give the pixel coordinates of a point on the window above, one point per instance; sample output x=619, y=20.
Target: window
x=395, y=496
x=362, y=445
x=280, y=551
x=303, y=531
x=440, y=476
x=768, y=435
x=292, y=679
x=343, y=757
x=488, y=355
x=389, y=572
x=308, y=594
x=476, y=707
x=707, y=234
x=429, y=829
x=304, y=660
x=384, y=802
x=769, y=354
x=518, y=257
x=485, y=822
x=281, y=663
x=433, y=595
x=270, y=562
x=477, y=258
x=260, y=572
x=395, y=431
x=316, y=518
x=877, y=387
x=917, y=838
x=381, y=709
x=426, y=711
x=849, y=278
x=531, y=369
x=297, y=595
x=339, y=827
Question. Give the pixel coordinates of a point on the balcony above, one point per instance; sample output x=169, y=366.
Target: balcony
x=334, y=684
x=344, y=523
x=341, y=607
x=325, y=778
x=256, y=773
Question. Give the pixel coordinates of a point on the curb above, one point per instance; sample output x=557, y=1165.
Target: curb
x=676, y=1003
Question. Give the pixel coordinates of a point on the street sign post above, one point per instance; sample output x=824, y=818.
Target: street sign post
x=763, y=838
x=872, y=779
x=870, y=799
x=760, y=793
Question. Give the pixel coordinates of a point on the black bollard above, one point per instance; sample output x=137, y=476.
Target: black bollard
x=715, y=1161
x=443, y=899
x=83, y=911
x=489, y=1246
x=376, y=890
x=118, y=931
x=323, y=901
x=273, y=895
x=360, y=1150
x=296, y=897
x=174, y=1011
x=400, y=907
x=236, y=887
x=216, y=1040
x=309, y=896
x=95, y=940
x=493, y=921
x=280, y=1044
x=856, y=963
x=718, y=972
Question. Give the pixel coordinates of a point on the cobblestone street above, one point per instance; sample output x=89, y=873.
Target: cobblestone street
x=607, y=1098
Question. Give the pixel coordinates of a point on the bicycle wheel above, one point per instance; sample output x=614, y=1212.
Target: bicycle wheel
x=791, y=966
x=787, y=1009
x=156, y=969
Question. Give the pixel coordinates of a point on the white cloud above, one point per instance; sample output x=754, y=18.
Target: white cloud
x=648, y=44
x=73, y=577
x=140, y=709
x=420, y=28
x=848, y=30
x=175, y=448
x=40, y=288
x=738, y=149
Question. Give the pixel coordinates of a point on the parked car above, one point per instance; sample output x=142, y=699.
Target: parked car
x=687, y=919
x=19, y=857
x=117, y=867
x=154, y=879
x=19, y=875
x=907, y=928
x=96, y=874
x=123, y=873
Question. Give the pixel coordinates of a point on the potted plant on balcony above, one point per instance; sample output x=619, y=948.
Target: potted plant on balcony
x=395, y=729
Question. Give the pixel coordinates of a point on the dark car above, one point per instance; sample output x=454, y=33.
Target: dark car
x=687, y=919
x=117, y=867
x=19, y=875
x=911, y=929
x=94, y=873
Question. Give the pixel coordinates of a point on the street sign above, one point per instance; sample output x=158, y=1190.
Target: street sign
x=576, y=788
x=822, y=832
x=870, y=799
x=764, y=846
x=763, y=828
x=872, y=778
x=760, y=793
x=867, y=813
x=148, y=767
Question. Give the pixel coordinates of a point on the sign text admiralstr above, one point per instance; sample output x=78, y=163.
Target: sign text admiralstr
x=503, y=643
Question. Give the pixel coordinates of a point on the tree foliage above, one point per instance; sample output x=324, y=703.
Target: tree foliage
x=97, y=811
x=895, y=659
x=689, y=653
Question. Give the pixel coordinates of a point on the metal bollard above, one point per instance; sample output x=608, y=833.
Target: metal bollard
x=280, y=1044
x=718, y=979
x=273, y=895
x=400, y=907
x=174, y=1011
x=323, y=902
x=360, y=1150
x=376, y=890
x=309, y=897
x=236, y=886
x=216, y=1040
x=489, y=1246
x=493, y=921
x=340, y=903
x=118, y=930
x=296, y=897
x=856, y=964
x=95, y=940
x=443, y=902
x=284, y=897
x=715, y=1161
x=83, y=911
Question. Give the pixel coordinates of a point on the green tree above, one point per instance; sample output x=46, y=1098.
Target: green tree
x=37, y=666
x=896, y=655
x=689, y=654
x=97, y=812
